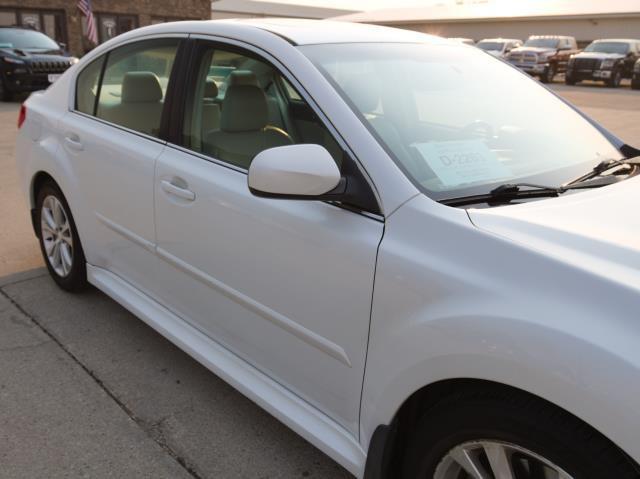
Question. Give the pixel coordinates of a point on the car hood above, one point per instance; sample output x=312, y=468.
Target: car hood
x=598, y=55
x=597, y=229
x=533, y=49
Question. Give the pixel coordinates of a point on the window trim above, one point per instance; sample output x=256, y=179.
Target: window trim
x=161, y=138
x=177, y=120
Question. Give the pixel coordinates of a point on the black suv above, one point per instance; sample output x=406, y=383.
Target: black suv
x=604, y=60
x=29, y=61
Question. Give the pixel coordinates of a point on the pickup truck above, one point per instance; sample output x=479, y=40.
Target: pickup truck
x=544, y=56
x=604, y=60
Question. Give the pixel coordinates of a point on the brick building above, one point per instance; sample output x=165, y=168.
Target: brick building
x=62, y=21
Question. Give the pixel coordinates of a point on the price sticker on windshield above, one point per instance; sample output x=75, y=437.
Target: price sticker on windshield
x=459, y=162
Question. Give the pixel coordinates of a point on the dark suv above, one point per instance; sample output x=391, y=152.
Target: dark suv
x=29, y=61
x=544, y=56
x=604, y=60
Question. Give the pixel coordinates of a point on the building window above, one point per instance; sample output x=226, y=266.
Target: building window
x=111, y=25
x=49, y=22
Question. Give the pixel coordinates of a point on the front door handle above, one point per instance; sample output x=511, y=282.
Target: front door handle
x=178, y=191
x=73, y=141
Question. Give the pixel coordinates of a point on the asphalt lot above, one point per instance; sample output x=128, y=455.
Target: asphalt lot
x=87, y=390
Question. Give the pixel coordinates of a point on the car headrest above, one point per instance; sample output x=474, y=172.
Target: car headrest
x=210, y=89
x=244, y=108
x=243, y=77
x=140, y=87
x=364, y=91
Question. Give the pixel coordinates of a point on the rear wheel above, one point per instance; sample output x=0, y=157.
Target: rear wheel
x=508, y=435
x=59, y=241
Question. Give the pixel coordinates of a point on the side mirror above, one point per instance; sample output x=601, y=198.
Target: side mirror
x=303, y=172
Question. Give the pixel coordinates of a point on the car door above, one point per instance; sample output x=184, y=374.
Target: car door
x=111, y=137
x=284, y=284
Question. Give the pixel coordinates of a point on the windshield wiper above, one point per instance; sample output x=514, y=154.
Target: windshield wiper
x=515, y=191
x=602, y=167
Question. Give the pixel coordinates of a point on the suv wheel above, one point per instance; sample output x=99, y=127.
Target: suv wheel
x=508, y=434
x=615, y=80
x=5, y=94
x=59, y=241
x=549, y=74
x=635, y=83
x=569, y=80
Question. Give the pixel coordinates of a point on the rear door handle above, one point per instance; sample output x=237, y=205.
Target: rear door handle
x=73, y=141
x=178, y=191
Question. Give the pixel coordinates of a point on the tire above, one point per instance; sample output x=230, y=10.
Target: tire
x=485, y=422
x=569, y=81
x=5, y=94
x=549, y=74
x=59, y=241
x=635, y=84
x=615, y=80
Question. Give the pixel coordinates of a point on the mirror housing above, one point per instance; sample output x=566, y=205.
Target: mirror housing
x=302, y=172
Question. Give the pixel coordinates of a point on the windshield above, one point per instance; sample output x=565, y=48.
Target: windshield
x=542, y=42
x=608, y=47
x=452, y=134
x=491, y=46
x=26, y=40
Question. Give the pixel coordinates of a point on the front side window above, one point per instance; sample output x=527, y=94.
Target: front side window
x=240, y=105
x=453, y=133
x=134, y=84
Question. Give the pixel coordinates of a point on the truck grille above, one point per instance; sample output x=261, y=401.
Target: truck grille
x=52, y=66
x=586, y=64
x=523, y=57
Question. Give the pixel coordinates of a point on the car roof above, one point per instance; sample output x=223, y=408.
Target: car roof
x=620, y=40
x=499, y=39
x=300, y=31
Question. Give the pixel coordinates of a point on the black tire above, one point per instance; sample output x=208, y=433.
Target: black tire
x=74, y=278
x=549, y=74
x=569, y=80
x=516, y=418
x=5, y=94
x=635, y=83
x=615, y=80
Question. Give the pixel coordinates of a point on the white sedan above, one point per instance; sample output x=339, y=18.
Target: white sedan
x=409, y=252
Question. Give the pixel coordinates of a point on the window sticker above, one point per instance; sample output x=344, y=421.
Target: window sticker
x=460, y=162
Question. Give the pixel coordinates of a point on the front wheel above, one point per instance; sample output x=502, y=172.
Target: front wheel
x=59, y=241
x=5, y=94
x=615, y=80
x=568, y=80
x=635, y=83
x=549, y=74
x=511, y=435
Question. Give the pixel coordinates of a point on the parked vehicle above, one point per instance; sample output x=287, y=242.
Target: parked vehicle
x=499, y=47
x=604, y=60
x=502, y=334
x=29, y=61
x=635, y=79
x=466, y=41
x=544, y=56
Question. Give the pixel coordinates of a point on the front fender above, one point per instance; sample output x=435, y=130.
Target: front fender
x=452, y=301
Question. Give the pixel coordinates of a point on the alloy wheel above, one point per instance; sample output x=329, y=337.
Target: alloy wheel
x=488, y=459
x=55, y=230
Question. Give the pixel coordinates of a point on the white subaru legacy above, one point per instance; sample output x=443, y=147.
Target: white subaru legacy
x=409, y=252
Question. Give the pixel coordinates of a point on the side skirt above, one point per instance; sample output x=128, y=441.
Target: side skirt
x=304, y=419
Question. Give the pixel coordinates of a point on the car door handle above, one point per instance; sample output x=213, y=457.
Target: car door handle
x=73, y=141
x=178, y=191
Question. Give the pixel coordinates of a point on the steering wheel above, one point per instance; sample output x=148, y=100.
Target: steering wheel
x=478, y=126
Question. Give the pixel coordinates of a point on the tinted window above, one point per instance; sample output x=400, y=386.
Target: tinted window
x=135, y=83
x=240, y=105
x=87, y=87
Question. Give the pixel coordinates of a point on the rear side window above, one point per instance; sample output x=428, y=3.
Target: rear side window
x=87, y=87
x=134, y=85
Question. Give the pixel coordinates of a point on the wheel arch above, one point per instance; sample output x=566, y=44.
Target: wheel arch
x=384, y=458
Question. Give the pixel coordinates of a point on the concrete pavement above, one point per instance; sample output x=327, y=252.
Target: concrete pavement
x=88, y=390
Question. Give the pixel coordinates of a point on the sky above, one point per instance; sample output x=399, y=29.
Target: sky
x=364, y=4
